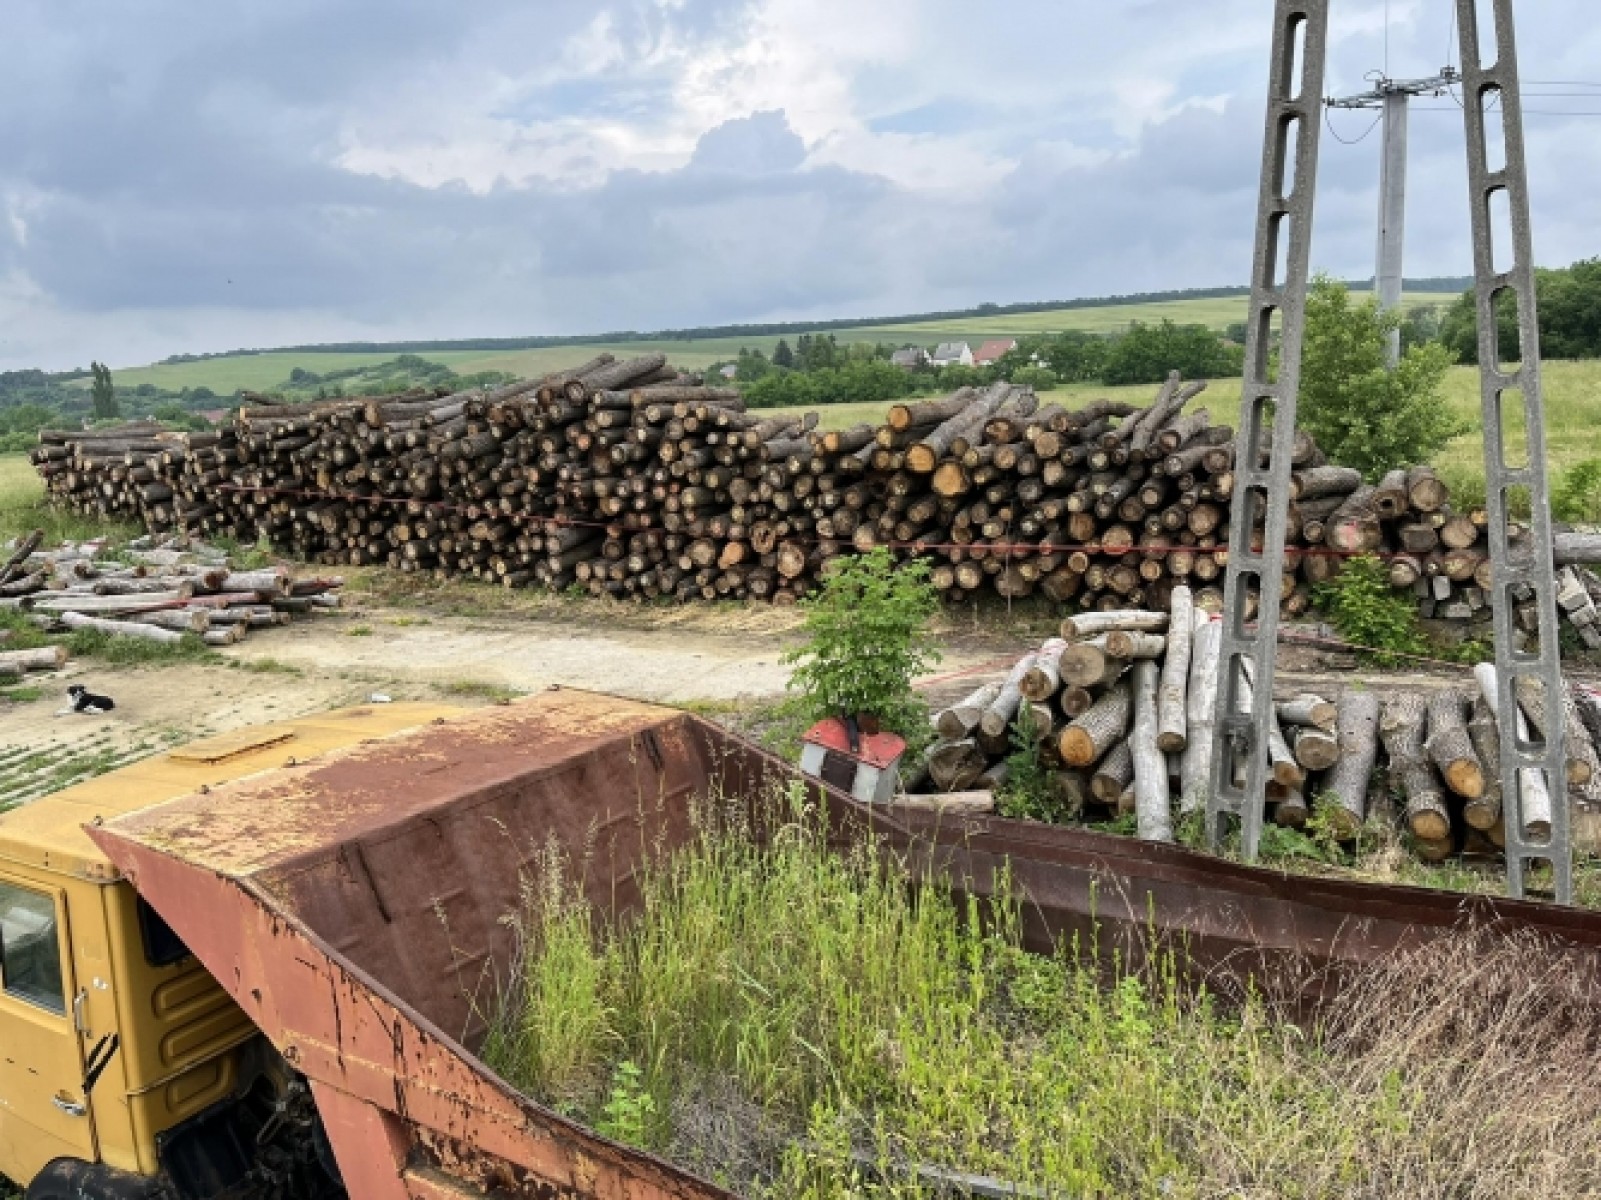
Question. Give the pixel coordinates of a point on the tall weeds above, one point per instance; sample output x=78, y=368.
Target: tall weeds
x=797, y=1022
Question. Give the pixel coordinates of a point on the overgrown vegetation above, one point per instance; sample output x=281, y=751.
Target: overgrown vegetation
x=1368, y=612
x=1569, y=302
x=1363, y=414
x=867, y=637
x=794, y=1022
x=1578, y=492
x=116, y=651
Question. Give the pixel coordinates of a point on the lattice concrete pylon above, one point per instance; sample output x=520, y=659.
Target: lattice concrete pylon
x=1511, y=399
x=1267, y=416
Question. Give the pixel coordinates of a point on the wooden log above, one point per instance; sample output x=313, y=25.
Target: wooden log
x=1425, y=492
x=44, y=658
x=1045, y=676
x=956, y=766
x=998, y=716
x=1089, y=625
x=1484, y=811
x=1531, y=698
x=1390, y=495
x=133, y=629
x=1200, y=716
x=1088, y=664
x=946, y=802
x=1172, y=715
x=1355, y=527
x=1089, y=737
x=1576, y=549
x=1316, y=483
x=13, y=567
x=1121, y=643
x=1314, y=749
x=1449, y=747
x=1114, y=774
x=960, y=719
x=1309, y=710
x=1403, y=726
x=1152, y=803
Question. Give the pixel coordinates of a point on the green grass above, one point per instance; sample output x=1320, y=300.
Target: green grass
x=793, y=1022
x=478, y=690
x=107, y=648
x=258, y=372
x=23, y=508
x=24, y=694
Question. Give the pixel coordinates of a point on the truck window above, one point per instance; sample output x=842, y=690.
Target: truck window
x=30, y=951
x=163, y=947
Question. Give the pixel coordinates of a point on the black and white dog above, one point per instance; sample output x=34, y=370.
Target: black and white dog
x=86, y=702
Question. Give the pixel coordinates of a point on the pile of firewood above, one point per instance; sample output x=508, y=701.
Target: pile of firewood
x=1120, y=710
x=157, y=591
x=631, y=479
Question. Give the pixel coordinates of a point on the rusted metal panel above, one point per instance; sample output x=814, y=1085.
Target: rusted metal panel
x=354, y=907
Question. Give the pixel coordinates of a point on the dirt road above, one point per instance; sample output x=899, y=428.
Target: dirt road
x=344, y=659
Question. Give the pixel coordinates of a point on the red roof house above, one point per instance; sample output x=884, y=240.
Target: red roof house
x=991, y=351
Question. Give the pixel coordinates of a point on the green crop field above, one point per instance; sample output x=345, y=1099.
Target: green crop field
x=260, y=372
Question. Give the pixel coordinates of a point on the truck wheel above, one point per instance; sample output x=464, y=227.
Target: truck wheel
x=73, y=1179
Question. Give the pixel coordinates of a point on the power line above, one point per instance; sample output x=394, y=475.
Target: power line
x=1329, y=124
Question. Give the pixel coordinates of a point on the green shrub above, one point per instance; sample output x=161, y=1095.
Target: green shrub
x=1369, y=613
x=1363, y=414
x=866, y=640
x=1040, y=378
x=1578, y=495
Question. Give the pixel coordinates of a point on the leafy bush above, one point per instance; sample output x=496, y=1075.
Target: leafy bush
x=1578, y=495
x=1146, y=353
x=1569, y=302
x=1040, y=378
x=1369, y=613
x=866, y=640
x=1363, y=414
x=1027, y=794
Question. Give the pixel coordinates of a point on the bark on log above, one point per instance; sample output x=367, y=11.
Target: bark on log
x=1403, y=726
x=1088, y=625
x=1350, y=776
x=1484, y=812
x=1045, y=676
x=1003, y=708
x=960, y=719
x=1172, y=715
x=1114, y=774
x=45, y=658
x=956, y=766
x=1449, y=747
x=1315, y=749
x=133, y=629
x=1309, y=710
x=946, y=802
x=1089, y=737
x=1531, y=698
x=1152, y=803
x=1201, y=704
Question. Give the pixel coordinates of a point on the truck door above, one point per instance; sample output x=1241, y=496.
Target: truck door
x=43, y=1111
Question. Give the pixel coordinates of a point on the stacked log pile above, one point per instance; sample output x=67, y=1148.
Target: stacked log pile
x=1120, y=708
x=155, y=590
x=631, y=479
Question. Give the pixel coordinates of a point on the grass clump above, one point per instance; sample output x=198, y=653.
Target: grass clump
x=477, y=689
x=793, y=1021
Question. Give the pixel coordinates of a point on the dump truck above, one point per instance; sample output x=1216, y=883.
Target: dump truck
x=262, y=965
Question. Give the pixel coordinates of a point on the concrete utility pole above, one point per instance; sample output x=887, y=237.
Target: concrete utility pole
x=1394, y=96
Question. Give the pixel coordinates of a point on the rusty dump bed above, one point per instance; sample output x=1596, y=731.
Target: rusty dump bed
x=354, y=906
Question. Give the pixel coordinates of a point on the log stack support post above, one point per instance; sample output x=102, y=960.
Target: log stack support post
x=1491, y=90
x=1267, y=411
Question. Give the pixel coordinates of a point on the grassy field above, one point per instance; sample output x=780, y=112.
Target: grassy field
x=264, y=371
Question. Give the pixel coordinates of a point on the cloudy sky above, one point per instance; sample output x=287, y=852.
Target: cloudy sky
x=184, y=177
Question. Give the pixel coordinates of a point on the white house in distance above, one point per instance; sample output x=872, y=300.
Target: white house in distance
x=992, y=351
x=950, y=354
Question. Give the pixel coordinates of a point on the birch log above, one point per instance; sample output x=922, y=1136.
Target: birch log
x=1450, y=748
x=1172, y=717
x=1534, y=795
x=961, y=718
x=1089, y=737
x=1004, y=707
x=1088, y=625
x=1402, y=725
x=133, y=629
x=1201, y=701
x=1152, y=804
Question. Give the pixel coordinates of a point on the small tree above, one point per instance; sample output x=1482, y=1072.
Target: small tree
x=867, y=639
x=783, y=356
x=102, y=394
x=1362, y=414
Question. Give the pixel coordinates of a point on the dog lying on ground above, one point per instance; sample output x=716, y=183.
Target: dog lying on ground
x=82, y=700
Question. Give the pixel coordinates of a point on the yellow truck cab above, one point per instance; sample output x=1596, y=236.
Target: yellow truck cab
x=125, y=1069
